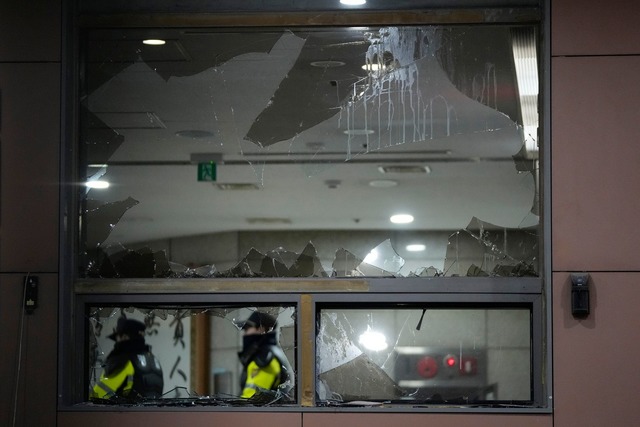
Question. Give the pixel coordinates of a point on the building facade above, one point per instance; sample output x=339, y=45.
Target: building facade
x=592, y=107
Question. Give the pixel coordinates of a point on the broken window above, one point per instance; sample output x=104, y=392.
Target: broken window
x=400, y=157
x=287, y=152
x=201, y=355
x=424, y=355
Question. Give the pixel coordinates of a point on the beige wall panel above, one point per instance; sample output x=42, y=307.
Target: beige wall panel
x=595, y=155
x=30, y=141
x=595, y=27
x=595, y=370
x=34, y=337
x=440, y=420
x=30, y=30
x=178, y=419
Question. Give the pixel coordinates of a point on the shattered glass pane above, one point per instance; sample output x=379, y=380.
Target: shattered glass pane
x=199, y=359
x=285, y=152
x=483, y=249
x=423, y=355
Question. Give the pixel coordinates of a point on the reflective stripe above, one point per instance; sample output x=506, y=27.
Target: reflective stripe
x=108, y=392
x=107, y=387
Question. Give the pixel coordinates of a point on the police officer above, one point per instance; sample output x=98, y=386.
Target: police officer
x=265, y=366
x=131, y=370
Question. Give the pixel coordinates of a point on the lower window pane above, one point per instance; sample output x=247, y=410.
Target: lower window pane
x=213, y=355
x=424, y=355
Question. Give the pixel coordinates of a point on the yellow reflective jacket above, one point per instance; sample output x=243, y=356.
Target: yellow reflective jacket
x=266, y=377
x=131, y=370
x=265, y=365
x=117, y=382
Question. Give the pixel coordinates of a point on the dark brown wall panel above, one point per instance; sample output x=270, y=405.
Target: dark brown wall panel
x=595, y=158
x=30, y=30
x=30, y=144
x=34, y=338
x=595, y=374
x=173, y=419
x=440, y=420
x=595, y=27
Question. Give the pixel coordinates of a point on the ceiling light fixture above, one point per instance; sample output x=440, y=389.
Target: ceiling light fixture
x=97, y=184
x=416, y=247
x=372, y=340
x=526, y=65
x=353, y=2
x=153, y=42
x=401, y=219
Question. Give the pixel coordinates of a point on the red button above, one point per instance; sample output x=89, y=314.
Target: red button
x=427, y=367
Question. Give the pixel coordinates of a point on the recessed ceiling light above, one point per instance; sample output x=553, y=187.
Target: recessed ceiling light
x=401, y=219
x=353, y=2
x=98, y=184
x=416, y=247
x=372, y=340
x=153, y=42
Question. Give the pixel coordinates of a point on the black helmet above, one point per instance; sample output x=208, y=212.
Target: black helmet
x=132, y=328
x=259, y=319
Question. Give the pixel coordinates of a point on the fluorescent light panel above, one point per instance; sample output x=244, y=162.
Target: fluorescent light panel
x=153, y=42
x=401, y=219
x=526, y=64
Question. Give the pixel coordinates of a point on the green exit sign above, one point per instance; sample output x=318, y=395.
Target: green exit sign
x=207, y=171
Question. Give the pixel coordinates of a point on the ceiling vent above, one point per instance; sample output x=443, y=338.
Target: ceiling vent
x=405, y=169
x=238, y=186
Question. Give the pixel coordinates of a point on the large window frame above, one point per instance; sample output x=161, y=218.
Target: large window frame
x=76, y=294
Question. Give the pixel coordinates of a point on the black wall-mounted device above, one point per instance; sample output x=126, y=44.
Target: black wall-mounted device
x=580, y=294
x=30, y=293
